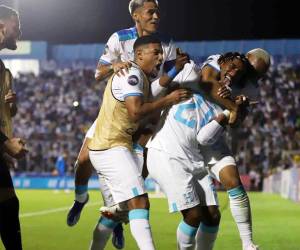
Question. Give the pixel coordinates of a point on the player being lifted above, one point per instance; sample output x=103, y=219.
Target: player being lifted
x=116, y=58
x=125, y=104
x=173, y=157
x=220, y=160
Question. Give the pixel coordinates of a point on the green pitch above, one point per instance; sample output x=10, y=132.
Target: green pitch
x=43, y=215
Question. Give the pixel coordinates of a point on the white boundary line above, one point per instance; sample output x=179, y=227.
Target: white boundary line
x=62, y=209
x=51, y=211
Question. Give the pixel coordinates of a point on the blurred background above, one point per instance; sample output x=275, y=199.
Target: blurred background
x=58, y=98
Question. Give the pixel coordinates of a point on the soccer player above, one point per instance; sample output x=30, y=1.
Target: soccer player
x=125, y=104
x=219, y=158
x=173, y=157
x=15, y=147
x=116, y=57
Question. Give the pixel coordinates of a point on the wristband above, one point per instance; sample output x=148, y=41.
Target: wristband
x=172, y=72
x=226, y=112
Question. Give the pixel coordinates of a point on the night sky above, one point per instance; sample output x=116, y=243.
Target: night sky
x=93, y=21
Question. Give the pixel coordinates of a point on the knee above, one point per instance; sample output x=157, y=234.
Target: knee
x=233, y=183
x=213, y=218
x=192, y=216
x=139, y=202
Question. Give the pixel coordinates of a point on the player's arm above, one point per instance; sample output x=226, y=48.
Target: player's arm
x=11, y=99
x=212, y=131
x=174, y=67
x=110, y=61
x=210, y=84
x=138, y=109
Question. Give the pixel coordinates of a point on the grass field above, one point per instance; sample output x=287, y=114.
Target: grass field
x=43, y=215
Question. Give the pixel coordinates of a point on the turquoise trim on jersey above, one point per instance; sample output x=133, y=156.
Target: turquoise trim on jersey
x=137, y=147
x=187, y=229
x=238, y=191
x=108, y=222
x=81, y=189
x=135, y=191
x=101, y=61
x=209, y=229
x=178, y=115
x=137, y=214
x=127, y=34
x=209, y=114
x=132, y=94
x=174, y=207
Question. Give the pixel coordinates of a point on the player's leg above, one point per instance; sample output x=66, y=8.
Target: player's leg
x=83, y=171
x=176, y=180
x=126, y=184
x=209, y=226
x=187, y=228
x=227, y=173
x=10, y=231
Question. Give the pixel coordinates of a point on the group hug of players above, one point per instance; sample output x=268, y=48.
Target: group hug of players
x=163, y=115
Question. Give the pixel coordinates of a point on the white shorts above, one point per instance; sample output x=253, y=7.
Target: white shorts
x=185, y=183
x=90, y=133
x=120, y=174
x=217, y=157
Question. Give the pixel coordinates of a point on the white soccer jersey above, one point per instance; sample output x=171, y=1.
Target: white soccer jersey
x=129, y=85
x=250, y=89
x=176, y=134
x=120, y=47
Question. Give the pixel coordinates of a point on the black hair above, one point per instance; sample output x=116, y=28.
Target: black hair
x=144, y=40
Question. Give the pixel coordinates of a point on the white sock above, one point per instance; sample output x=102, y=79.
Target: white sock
x=206, y=237
x=186, y=236
x=140, y=228
x=81, y=193
x=241, y=212
x=102, y=233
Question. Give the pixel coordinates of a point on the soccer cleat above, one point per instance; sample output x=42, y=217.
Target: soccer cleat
x=116, y=212
x=75, y=211
x=118, y=239
x=251, y=247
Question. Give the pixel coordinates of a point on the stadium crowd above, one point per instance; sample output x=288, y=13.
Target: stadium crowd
x=58, y=106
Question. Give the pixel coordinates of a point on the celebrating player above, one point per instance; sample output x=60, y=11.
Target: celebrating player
x=125, y=103
x=221, y=163
x=173, y=157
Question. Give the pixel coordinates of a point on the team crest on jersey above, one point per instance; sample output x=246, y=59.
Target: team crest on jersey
x=133, y=80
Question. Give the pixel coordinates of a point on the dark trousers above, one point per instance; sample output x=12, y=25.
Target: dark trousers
x=9, y=213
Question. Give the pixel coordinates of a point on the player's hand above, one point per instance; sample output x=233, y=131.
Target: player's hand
x=179, y=95
x=10, y=162
x=10, y=97
x=224, y=91
x=15, y=147
x=181, y=59
x=242, y=100
x=121, y=67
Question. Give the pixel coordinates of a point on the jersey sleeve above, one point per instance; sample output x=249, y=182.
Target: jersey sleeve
x=170, y=56
x=111, y=51
x=132, y=84
x=212, y=61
